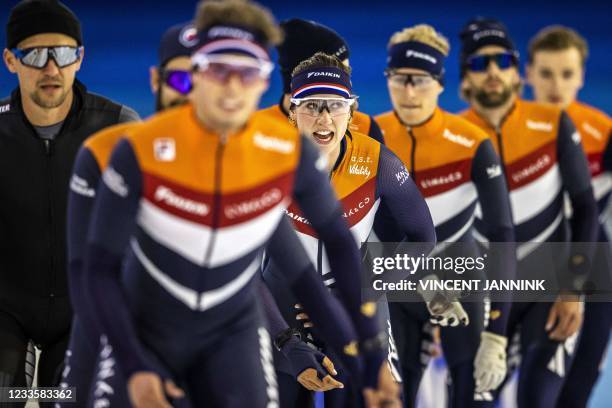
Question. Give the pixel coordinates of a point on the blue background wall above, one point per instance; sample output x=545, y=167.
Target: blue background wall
x=121, y=39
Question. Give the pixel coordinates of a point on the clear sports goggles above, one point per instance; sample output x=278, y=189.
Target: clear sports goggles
x=221, y=67
x=315, y=106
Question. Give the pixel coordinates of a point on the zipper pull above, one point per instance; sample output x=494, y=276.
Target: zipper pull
x=47, y=144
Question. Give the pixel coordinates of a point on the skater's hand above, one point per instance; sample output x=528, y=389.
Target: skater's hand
x=443, y=306
x=309, y=378
x=301, y=316
x=312, y=369
x=490, y=363
x=146, y=390
x=388, y=391
x=565, y=317
x=435, y=349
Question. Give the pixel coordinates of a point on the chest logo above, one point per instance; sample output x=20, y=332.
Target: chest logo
x=540, y=126
x=459, y=139
x=359, y=170
x=266, y=200
x=585, y=126
x=166, y=195
x=273, y=143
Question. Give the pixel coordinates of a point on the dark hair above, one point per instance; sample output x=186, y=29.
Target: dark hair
x=558, y=38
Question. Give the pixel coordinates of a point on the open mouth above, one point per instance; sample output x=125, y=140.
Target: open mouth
x=323, y=136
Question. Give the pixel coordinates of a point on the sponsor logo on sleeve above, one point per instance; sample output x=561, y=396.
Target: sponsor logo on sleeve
x=80, y=186
x=5, y=108
x=402, y=176
x=494, y=171
x=115, y=182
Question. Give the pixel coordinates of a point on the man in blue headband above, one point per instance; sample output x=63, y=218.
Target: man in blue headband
x=455, y=166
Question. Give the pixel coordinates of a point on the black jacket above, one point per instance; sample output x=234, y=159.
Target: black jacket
x=34, y=178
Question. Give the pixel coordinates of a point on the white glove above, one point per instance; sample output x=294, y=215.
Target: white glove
x=490, y=363
x=444, y=309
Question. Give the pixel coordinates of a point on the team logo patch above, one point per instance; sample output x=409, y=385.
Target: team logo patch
x=164, y=149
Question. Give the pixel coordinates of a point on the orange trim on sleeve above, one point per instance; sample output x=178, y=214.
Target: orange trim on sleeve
x=102, y=143
x=594, y=126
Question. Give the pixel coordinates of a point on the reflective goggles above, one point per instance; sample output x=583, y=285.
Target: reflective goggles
x=503, y=60
x=178, y=80
x=38, y=57
x=315, y=106
x=222, y=67
x=420, y=82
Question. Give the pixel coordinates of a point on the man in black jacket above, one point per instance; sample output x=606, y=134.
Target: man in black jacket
x=42, y=125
